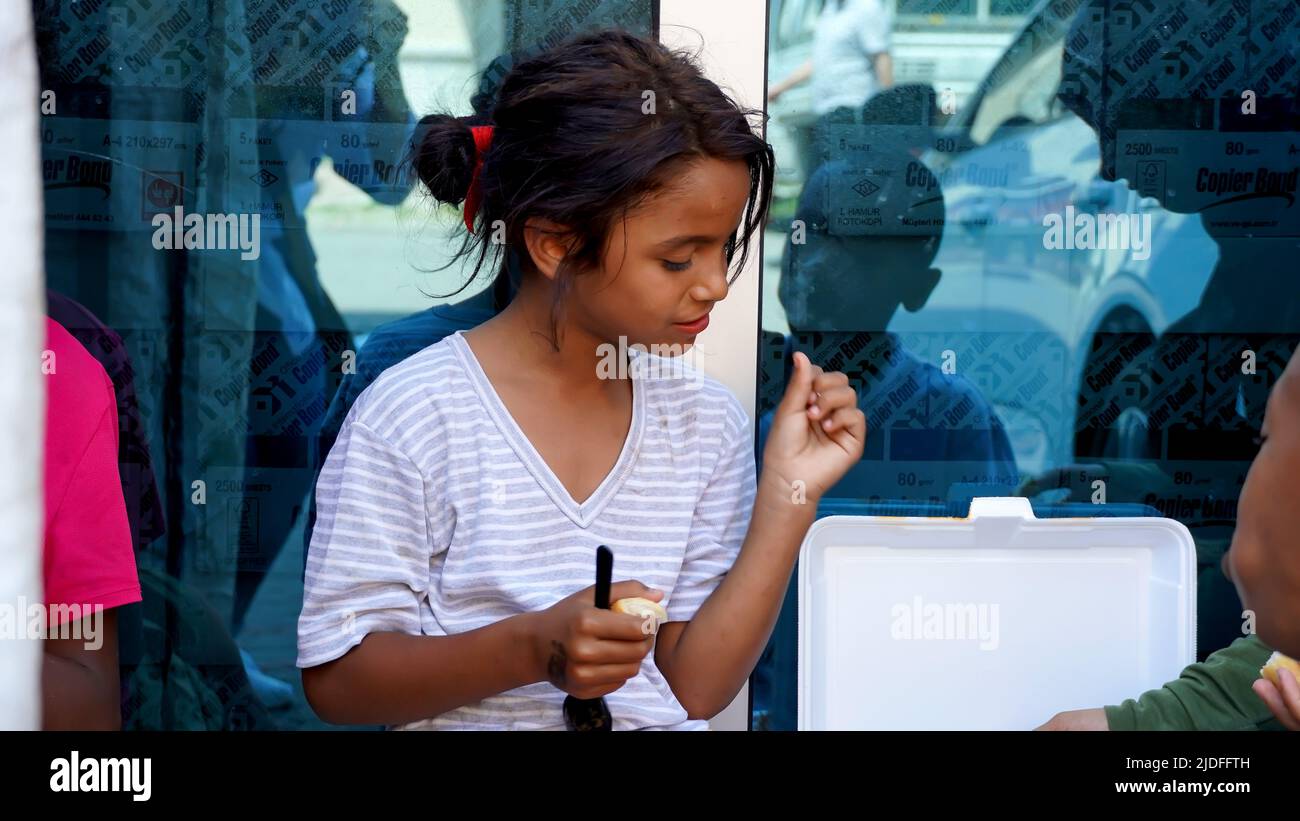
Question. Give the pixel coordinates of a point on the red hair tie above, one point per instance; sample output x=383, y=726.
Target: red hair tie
x=482, y=139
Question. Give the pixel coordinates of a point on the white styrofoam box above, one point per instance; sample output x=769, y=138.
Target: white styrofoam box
x=995, y=621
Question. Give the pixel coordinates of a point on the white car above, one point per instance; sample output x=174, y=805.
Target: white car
x=1056, y=332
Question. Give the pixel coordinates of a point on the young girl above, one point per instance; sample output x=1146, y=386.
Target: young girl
x=449, y=578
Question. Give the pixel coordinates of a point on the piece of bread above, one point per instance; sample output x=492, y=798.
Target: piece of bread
x=1276, y=662
x=643, y=609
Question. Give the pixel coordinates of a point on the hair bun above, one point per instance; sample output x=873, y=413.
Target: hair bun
x=443, y=156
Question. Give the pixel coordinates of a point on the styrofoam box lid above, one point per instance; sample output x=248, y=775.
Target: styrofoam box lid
x=996, y=621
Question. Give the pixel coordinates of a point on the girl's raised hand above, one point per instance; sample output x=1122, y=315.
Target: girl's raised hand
x=817, y=432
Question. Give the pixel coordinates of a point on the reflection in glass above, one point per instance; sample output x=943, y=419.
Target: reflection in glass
x=230, y=223
x=1113, y=278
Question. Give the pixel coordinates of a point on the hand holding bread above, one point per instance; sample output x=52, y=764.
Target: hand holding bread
x=651, y=613
x=588, y=652
x=1279, y=687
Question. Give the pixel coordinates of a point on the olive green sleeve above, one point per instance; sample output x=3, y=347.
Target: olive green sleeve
x=1214, y=694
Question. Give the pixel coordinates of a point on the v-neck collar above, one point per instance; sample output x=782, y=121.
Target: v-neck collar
x=581, y=514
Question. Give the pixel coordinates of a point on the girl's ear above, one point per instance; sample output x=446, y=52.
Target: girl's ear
x=548, y=243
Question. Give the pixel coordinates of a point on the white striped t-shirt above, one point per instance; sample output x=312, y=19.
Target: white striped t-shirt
x=436, y=516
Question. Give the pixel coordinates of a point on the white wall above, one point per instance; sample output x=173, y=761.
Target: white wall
x=729, y=35
x=22, y=337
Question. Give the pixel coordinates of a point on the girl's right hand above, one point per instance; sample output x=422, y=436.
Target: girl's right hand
x=588, y=652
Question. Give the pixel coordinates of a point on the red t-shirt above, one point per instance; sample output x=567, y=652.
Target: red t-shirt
x=88, y=557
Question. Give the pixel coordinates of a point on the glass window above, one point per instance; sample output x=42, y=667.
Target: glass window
x=1054, y=263
x=937, y=7
x=1010, y=7
x=231, y=228
x=794, y=20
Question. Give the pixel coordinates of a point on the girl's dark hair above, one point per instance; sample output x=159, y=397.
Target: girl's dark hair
x=573, y=143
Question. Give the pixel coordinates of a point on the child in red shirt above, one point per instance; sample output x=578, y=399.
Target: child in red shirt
x=89, y=563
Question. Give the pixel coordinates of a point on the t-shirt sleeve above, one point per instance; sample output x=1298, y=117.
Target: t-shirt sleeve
x=368, y=563
x=721, y=519
x=1214, y=694
x=89, y=558
x=874, y=26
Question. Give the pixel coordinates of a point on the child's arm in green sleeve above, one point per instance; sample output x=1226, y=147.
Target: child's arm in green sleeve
x=1212, y=695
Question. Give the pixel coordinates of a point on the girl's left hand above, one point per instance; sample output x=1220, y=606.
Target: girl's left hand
x=1283, y=702
x=818, y=431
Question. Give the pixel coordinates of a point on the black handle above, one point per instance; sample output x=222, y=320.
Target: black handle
x=604, y=575
x=592, y=714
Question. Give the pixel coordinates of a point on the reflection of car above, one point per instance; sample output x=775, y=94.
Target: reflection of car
x=948, y=44
x=1070, y=323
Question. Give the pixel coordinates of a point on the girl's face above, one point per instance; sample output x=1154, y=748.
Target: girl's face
x=665, y=266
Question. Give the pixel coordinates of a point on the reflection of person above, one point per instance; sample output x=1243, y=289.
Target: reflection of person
x=231, y=117
x=1251, y=291
x=448, y=578
x=850, y=63
x=842, y=282
x=1249, y=301
x=850, y=56
x=1225, y=692
x=296, y=317
x=852, y=284
x=89, y=562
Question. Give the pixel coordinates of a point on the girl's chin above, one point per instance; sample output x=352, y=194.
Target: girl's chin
x=672, y=347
